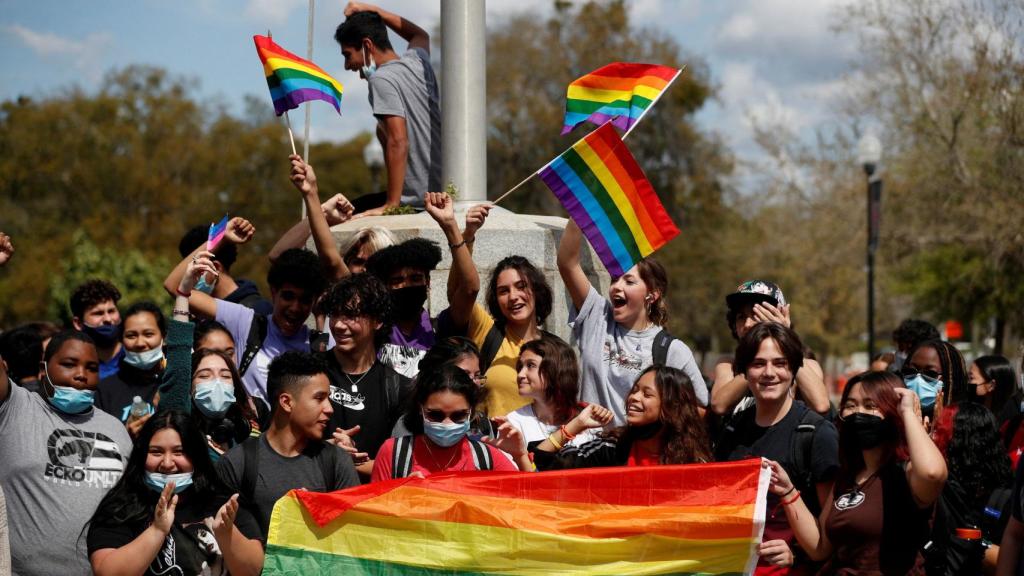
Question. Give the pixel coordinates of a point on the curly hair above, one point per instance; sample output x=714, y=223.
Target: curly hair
x=416, y=253
x=954, y=370
x=360, y=295
x=684, y=438
x=975, y=455
x=913, y=332
x=535, y=281
x=91, y=293
x=561, y=373
x=300, y=268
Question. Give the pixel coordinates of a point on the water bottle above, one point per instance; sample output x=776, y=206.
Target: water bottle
x=139, y=408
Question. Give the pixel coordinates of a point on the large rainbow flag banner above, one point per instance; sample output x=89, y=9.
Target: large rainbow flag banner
x=604, y=190
x=294, y=80
x=620, y=92
x=694, y=519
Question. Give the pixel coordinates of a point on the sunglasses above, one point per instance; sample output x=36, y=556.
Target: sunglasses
x=440, y=415
x=909, y=372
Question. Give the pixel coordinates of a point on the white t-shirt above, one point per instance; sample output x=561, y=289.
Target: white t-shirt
x=533, y=430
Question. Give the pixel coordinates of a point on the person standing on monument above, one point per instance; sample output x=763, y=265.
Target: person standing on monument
x=405, y=100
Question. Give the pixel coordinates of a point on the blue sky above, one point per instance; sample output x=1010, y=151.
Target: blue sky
x=776, y=62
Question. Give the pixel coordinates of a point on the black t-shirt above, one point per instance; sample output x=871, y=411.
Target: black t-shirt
x=115, y=393
x=190, y=547
x=745, y=439
x=374, y=400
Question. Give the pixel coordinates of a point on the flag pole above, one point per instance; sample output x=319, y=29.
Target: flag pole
x=539, y=170
x=291, y=137
x=653, y=102
x=309, y=56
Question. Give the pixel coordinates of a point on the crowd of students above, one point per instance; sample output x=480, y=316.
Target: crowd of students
x=138, y=442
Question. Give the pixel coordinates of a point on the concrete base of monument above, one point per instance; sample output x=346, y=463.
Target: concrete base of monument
x=504, y=234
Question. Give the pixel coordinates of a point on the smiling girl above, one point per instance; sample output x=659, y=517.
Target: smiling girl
x=141, y=367
x=617, y=334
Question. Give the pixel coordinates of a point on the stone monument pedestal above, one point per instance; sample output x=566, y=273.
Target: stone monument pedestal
x=504, y=234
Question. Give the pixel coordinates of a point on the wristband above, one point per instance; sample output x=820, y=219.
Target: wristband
x=455, y=247
x=182, y=312
x=565, y=434
x=180, y=293
x=792, y=500
x=553, y=440
x=788, y=492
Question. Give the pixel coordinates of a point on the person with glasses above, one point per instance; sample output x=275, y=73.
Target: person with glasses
x=936, y=372
x=890, y=475
x=438, y=420
x=549, y=376
x=367, y=394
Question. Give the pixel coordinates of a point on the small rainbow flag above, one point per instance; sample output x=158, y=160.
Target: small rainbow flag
x=694, y=519
x=607, y=194
x=294, y=80
x=620, y=92
x=216, y=233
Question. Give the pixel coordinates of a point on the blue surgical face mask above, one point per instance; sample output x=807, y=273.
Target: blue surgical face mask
x=445, y=434
x=144, y=360
x=214, y=397
x=156, y=481
x=104, y=335
x=926, y=388
x=368, y=70
x=205, y=287
x=67, y=399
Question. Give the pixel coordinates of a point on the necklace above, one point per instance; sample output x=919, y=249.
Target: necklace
x=434, y=460
x=354, y=383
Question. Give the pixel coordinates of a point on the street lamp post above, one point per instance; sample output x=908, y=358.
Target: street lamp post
x=373, y=155
x=869, y=153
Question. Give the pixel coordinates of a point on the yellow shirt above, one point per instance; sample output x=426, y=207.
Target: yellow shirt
x=503, y=392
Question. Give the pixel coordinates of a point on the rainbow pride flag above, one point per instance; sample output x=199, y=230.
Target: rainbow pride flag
x=216, y=233
x=620, y=92
x=694, y=519
x=604, y=190
x=294, y=80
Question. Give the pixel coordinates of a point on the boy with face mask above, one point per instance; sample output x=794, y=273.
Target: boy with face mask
x=94, y=311
x=60, y=457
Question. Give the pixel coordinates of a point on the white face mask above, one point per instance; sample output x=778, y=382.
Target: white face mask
x=368, y=70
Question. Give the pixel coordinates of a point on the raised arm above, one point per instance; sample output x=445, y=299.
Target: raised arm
x=176, y=384
x=810, y=381
x=462, y=293
x=926, y=471
x=416, y=37
x=336, y=209
x=6, y=248
x=727, y=390
x=304, y=179
x=569, y=264
x=239, y=231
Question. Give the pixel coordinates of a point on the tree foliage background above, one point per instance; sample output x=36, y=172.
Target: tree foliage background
x=118, y=175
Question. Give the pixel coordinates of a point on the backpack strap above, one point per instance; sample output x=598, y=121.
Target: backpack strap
x=253, y=342
x=481, y=455
x=801, y=448
x=659, y=350
x=327, y=458
x=401, y=457
x=250, y=469
x=492, y=343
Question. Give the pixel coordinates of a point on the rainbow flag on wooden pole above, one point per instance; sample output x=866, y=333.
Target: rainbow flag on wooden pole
x=694, y=519
x=620, y=92
x=293, y=80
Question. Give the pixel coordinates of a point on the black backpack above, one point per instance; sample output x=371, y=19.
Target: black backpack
x=401, y=456
x=253, y=342
x=492, y=343
x=326, y=457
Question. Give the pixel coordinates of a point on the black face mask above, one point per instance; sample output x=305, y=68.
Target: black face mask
x=408, y=301
x=869, y=430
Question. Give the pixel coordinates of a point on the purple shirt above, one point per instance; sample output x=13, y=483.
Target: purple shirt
x=402, y=353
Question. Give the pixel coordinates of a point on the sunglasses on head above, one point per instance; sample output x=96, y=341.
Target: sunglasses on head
x=910, y=372
x=457, y=417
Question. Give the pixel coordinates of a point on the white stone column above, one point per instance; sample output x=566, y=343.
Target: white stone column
x=463, y=98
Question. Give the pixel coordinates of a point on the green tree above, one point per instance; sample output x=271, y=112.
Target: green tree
x=531, y=61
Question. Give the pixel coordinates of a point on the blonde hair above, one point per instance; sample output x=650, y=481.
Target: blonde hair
x=376, y=236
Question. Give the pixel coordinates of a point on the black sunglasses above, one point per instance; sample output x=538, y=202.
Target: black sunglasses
x=910, y=372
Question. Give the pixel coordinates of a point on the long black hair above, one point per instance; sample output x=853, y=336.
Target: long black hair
x=234, y=425
x=449, y=378
x=975, y=455
x=132, y=502
x=999, y=371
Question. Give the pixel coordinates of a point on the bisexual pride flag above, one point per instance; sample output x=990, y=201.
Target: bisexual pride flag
x=693, y=519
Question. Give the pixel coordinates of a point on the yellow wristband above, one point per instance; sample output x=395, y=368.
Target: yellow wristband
x=553, y=440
